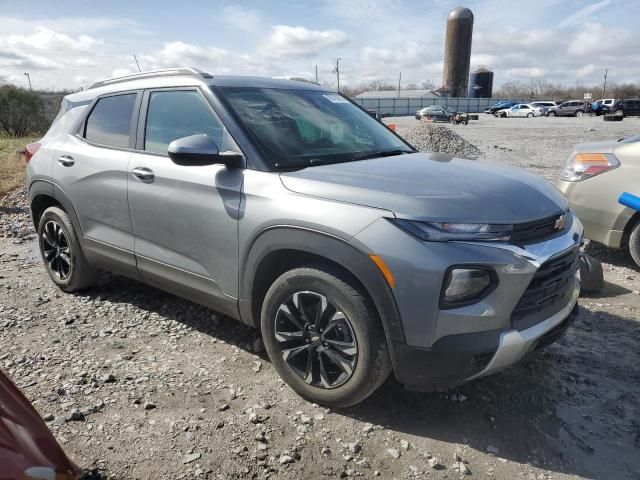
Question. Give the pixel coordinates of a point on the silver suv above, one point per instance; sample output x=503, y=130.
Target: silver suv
x=288, y=207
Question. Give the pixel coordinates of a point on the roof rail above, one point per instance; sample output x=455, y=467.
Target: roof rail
x=152, y=74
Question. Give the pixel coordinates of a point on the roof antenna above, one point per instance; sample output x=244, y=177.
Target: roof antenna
x=137, y=64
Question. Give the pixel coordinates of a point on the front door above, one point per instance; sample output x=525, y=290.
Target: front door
x=185, y=217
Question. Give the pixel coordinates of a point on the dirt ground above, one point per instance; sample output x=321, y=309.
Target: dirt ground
x=137, y=383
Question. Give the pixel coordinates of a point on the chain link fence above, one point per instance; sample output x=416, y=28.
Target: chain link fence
x=398, y=107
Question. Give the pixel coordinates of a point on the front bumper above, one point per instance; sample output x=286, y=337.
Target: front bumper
x=445, y=347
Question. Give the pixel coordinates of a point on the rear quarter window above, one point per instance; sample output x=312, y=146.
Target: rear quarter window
x=109, y=123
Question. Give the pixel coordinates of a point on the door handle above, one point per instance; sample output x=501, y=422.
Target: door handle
x=66, y=160
x=143, y=173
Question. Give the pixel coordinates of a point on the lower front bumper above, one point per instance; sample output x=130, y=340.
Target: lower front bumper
x=478, y=354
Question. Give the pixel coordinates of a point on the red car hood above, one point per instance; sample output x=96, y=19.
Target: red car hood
x=28, y=450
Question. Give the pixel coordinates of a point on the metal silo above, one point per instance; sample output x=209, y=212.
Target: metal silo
x=457, y=51
x=481, y=83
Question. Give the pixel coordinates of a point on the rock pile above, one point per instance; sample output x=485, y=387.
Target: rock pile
x=428, y=137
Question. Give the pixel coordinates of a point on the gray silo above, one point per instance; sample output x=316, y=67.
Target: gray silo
x=481, y=83
x=457, y=51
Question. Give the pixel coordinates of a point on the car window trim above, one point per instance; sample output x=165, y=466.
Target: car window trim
x=144, y=109
x=81, y=129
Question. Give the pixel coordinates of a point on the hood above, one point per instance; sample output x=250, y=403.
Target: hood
x=26, y=444
x=435, y=187
x=605, y=146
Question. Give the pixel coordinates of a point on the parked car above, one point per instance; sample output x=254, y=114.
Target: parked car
x=572, y=108
x=436, y=112
x=544, y=104
x=287, y=206
x=523, y=110
x=499, y=106
x=626, y=108
x=602, y=106
x=593, y=179
x=28, y=450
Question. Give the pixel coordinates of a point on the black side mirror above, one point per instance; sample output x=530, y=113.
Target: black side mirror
x=200, y=150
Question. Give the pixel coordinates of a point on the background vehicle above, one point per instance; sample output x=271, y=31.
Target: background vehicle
x=28, y=450
x=544, y=104
x=499, y=106
x=436, y=113
x=524, y=110
x=288, y=207
x=593, y=179
x=602, y=106
x=626, y=108
x=572, y=108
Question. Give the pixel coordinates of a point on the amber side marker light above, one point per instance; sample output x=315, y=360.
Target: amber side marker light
x=384, y=269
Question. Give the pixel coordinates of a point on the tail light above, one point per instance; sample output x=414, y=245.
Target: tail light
x=586, y=165
x=30, y=150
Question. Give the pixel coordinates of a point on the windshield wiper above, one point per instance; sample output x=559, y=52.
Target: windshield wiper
x=380, y=153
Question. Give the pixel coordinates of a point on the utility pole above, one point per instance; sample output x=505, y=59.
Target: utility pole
x=337, y=71
x=316, y=73
x=29, y=78
x=399, y=80
x=604, y=85
x=137, y=64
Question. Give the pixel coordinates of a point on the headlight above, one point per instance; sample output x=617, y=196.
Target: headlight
x=586, y=165
x=445, y=231
x=464, y=286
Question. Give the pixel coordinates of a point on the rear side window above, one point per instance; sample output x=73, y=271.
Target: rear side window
x=174, y=114
x=109, y=122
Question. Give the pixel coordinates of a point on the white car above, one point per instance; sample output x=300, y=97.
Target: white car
x=524, y=110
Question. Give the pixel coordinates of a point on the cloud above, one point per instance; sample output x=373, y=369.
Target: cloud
x=594, y=38
x=286, y=40
x=584, y=14
x=242, y=18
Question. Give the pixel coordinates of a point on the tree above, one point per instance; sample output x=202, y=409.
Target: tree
x=428, y=85
x=21, y=111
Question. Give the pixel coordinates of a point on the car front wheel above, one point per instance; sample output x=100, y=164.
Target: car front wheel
x=324, y=337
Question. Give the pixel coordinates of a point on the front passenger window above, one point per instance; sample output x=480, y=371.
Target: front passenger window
x=174, y=114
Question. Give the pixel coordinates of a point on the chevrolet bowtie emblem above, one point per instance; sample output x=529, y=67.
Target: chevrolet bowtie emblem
x=561, y=222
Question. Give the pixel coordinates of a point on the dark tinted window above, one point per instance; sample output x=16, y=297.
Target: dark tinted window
x=110, y=120
x=180, y=113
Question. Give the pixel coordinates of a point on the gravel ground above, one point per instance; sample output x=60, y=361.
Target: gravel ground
x=137, y=383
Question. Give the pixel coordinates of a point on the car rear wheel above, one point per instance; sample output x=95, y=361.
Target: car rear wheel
x=551, y=114
x=61, y=252
x=634, y=243
x=579, y=113
x=619, y=113
x=324, y=337
x=529, y=115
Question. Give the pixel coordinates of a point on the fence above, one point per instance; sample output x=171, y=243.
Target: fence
x=397, y=107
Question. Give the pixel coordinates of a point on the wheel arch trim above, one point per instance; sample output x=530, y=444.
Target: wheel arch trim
x=280, y=238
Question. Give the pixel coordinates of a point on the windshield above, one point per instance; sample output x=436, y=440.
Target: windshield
x=299, y=128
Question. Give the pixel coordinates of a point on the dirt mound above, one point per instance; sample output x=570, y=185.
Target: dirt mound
x=428, y=137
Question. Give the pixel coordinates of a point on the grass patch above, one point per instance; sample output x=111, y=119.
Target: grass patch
x=12, y=166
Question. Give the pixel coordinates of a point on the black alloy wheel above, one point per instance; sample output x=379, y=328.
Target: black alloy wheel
x=56, y=250
x=316, y=340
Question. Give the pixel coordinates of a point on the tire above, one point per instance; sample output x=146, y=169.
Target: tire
x=619, y=113
x=529, y=115
x=634, y=243
x=365, y=357
x=579, y=113
x=61, y=253
x=551, y=114
x=465, y=122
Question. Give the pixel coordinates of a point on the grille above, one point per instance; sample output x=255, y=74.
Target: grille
x=537, y=230
x=549, y=287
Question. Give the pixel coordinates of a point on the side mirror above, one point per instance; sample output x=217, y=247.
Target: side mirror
x=198, y=150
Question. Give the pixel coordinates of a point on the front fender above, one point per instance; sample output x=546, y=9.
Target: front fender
x=352, y=257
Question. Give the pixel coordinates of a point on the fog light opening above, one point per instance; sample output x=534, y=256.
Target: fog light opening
x=466, y=285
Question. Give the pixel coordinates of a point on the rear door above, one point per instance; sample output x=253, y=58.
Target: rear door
x=184, y=217
x=91, y=172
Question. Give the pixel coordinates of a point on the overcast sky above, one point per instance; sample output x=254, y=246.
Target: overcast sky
x=68, y=44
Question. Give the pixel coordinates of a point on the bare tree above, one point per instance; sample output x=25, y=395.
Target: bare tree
x=21, y=111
